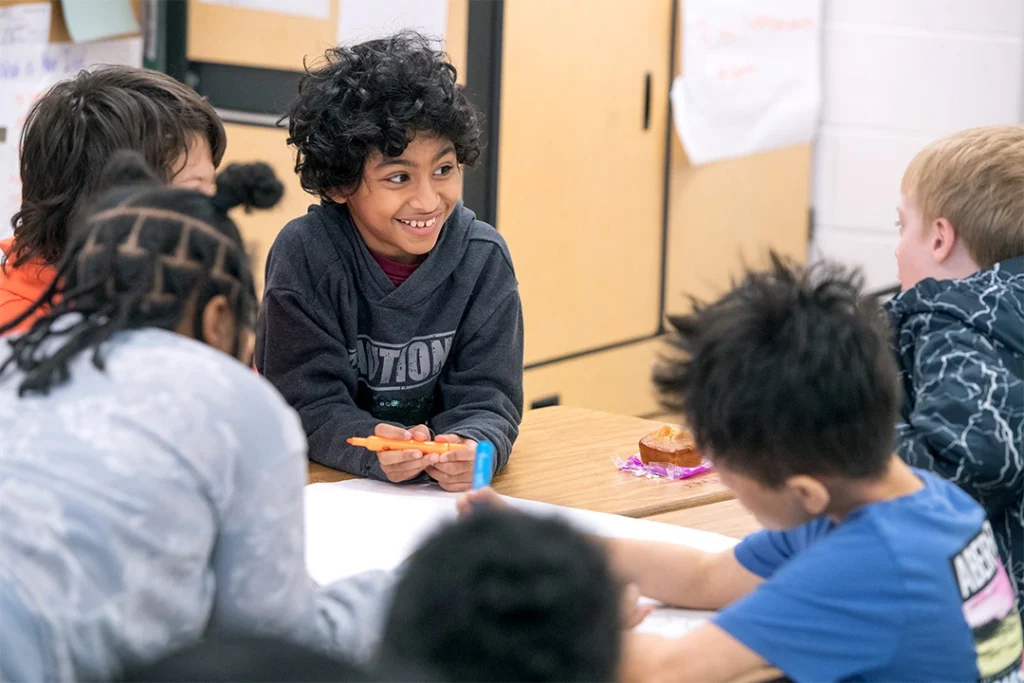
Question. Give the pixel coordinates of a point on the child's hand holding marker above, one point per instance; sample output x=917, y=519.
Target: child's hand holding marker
x=454, y=469
x=403, y=465
x=405, y=453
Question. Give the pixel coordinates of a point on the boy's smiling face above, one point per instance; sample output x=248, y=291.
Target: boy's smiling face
x=402, y=202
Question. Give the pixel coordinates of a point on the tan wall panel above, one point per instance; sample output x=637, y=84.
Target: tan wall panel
x=616, y=381
x=457, y=36
x=271, y=40
x=730, y=212
x=231, y=35
x=580, y=182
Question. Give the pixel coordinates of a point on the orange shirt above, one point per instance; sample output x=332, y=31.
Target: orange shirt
x=20, y=287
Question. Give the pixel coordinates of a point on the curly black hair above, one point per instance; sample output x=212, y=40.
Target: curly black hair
x=789, y=373
x=376, y=96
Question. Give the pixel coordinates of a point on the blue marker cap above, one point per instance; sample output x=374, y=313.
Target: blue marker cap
x=483, y=465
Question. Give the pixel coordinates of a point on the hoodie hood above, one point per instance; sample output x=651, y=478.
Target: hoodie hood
x=989, y=303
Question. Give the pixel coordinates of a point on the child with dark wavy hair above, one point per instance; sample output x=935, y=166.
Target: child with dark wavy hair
x=150, y=483
x=389, y=308
x=69, y=136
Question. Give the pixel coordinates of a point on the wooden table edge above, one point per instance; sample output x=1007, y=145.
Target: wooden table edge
x=661, y=508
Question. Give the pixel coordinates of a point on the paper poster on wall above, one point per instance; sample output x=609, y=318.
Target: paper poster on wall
x=27, y=24
x=26, y=72
x=361, y=20
x=751, y=76
x=313, y=9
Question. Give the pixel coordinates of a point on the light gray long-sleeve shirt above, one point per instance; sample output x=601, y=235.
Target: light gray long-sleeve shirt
x=144, y=504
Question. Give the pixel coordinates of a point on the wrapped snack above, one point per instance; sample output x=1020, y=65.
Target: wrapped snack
x=660, y=470
x=669, y=445
x=668, y=453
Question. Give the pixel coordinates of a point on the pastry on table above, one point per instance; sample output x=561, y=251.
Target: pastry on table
x=670, y=445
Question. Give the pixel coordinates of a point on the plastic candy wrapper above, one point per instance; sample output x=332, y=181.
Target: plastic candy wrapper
x=659, y=470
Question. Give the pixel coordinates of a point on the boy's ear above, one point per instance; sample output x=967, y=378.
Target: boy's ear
x=943, y=239
x=336, y=196
x=811, y=493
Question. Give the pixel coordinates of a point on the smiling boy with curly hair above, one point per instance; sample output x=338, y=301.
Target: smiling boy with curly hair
x=389, y=308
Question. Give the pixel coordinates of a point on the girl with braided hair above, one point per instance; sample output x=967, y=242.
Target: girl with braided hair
x=150, y=483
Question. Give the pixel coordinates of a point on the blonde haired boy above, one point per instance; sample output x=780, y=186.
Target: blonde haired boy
x=959, y=323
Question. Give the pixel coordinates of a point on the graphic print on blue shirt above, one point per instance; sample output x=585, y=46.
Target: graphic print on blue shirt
x=989, y=608
x=389, y=374
x=859, y=601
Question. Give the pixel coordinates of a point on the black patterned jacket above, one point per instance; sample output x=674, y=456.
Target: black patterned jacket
x=960, y=345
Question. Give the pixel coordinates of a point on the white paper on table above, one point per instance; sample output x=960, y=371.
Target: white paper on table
x=751, y=76
x=28, y=71
x=358, y=525
x=27, y=24
x=314, y=9
x=362, y=20
x=671, y=622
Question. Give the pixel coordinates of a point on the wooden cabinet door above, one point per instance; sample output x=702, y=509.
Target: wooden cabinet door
x=582, y=165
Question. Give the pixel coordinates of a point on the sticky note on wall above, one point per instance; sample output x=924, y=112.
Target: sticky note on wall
x=88, y=20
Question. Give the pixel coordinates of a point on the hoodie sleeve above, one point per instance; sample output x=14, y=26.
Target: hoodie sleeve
x=963, y=417
x=259, y=556
x=482, y=388
x=305, y=355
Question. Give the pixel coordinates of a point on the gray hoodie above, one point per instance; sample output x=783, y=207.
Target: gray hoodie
x=348, y=349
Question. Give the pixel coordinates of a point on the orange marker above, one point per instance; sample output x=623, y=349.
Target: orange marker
x=377, y=444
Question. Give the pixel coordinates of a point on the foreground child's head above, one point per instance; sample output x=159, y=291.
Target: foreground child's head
x=383, y=127
x=790, y=388
x=147, y=255
x=962, y=205
x=502, y=596
x=72, y=131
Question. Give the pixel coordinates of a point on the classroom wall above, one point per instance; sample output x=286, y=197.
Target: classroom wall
x=897, y=74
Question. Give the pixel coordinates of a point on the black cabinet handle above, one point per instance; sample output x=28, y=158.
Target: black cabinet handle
x=647, y=100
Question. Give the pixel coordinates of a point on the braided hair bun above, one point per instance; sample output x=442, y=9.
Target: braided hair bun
x=253, y=186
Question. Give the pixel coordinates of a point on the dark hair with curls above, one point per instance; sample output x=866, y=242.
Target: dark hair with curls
x=789, y=373
x=146, y=255
x=74, y=128
x=503, y=596
x=376, y=96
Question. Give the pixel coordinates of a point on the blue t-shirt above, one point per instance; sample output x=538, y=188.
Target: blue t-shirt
x=903, y=590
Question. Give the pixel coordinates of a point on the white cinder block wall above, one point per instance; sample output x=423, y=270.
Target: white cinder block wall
x=897, y=74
